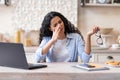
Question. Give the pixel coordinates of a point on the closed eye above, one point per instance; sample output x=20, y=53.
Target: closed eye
x=59, y=22
x=55, y=25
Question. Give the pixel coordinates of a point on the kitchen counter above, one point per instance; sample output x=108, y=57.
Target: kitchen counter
x=98, y=54
x=32, y=49
x=101, y=55
x=106, y=50
x=58, y=71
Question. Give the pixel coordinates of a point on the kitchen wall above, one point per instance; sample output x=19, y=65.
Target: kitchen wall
x=101, y=16
x=28, y=14
x=87, y=16
x=6, y=14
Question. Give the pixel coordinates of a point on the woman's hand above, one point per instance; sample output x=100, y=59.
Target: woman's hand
x=55, y=34
x=88, y=39
x=52, y=41
x=93, y=30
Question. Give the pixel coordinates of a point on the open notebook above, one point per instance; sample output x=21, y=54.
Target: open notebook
x=91, y=67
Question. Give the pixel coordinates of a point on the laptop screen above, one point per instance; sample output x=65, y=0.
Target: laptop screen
x=13, y=55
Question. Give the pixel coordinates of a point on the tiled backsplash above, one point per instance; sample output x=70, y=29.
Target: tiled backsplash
x=29, y=14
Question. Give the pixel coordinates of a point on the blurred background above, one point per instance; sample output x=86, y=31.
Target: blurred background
x=22, y=18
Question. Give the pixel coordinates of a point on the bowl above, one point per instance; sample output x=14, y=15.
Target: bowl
x=105, y=30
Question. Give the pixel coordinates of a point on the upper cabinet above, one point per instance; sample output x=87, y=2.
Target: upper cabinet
x=100, y=3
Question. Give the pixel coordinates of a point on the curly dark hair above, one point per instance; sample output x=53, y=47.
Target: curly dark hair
x=45, y=31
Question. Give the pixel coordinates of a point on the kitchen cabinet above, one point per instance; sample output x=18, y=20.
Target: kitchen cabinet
x=101, y=56
x=30, y=57
x=99, y=3
x=29, y=51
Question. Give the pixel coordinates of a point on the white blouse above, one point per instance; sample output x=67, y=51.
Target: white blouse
x=60, y=53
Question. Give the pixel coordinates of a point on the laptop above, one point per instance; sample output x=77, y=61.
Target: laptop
x=13, y=55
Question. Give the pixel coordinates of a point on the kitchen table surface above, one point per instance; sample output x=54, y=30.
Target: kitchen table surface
x=58, y=71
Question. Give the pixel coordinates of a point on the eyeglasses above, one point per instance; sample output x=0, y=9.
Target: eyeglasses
x=99, y=39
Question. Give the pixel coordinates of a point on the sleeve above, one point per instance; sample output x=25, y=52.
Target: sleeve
x=81, y=45
x=38, y=57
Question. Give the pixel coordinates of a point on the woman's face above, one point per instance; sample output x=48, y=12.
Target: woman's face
x=55, y=23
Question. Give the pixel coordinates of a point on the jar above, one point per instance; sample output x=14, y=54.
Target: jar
x=17, y=37
x=27, y=40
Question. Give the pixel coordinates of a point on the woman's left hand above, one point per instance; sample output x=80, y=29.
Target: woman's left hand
x=93, y=30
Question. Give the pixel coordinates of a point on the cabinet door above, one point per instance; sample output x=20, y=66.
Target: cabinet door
x=30, y=57
x=92, y=59
x=104, y=57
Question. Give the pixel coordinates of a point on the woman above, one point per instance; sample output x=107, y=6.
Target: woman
x=60, y=41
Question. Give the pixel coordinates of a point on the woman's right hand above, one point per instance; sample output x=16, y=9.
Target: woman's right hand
x=52, y=41
x=55, y=34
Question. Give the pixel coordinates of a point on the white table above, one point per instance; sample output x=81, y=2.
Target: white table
x=58, y=71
